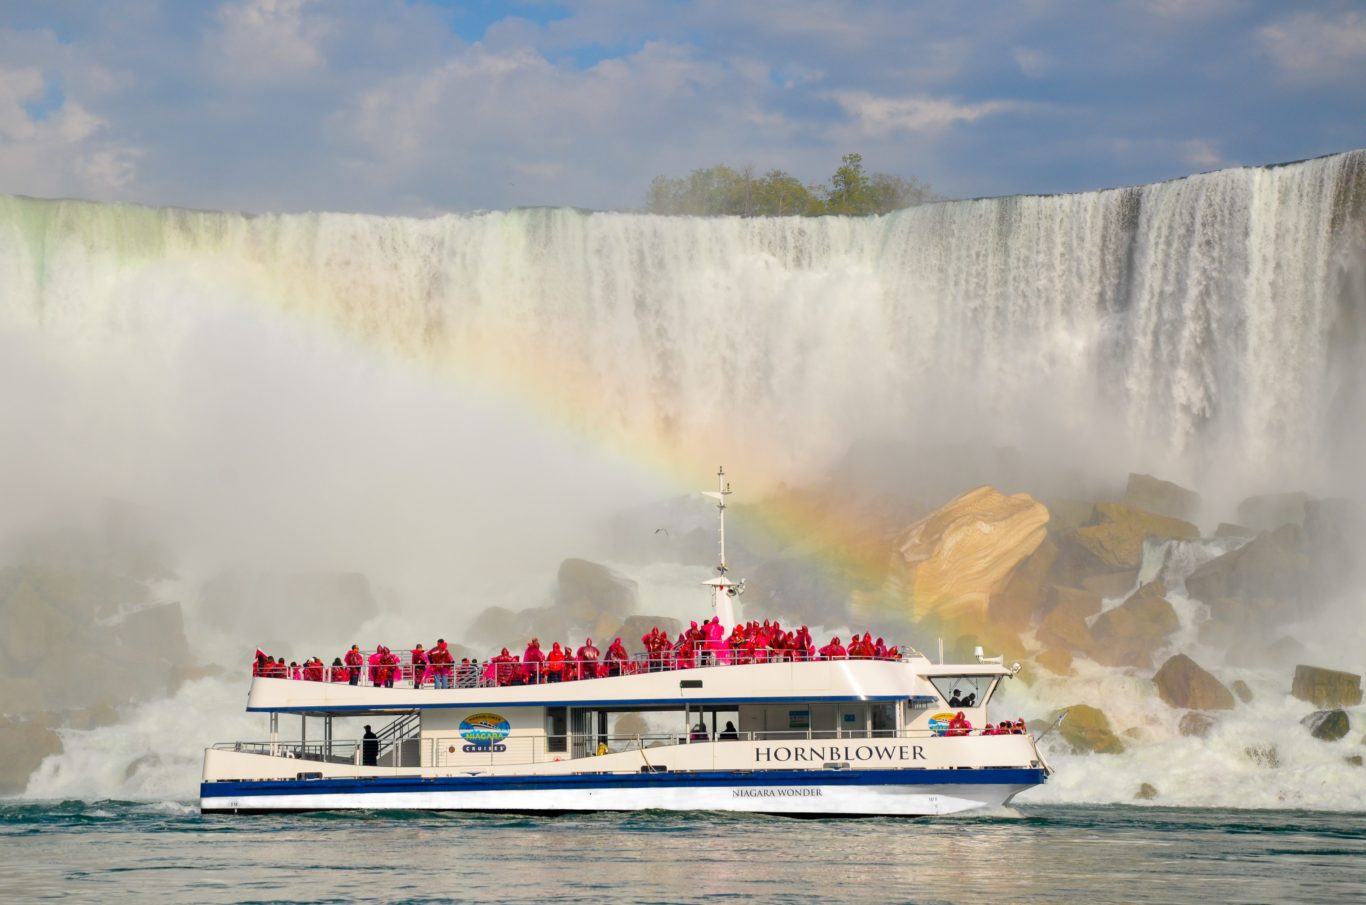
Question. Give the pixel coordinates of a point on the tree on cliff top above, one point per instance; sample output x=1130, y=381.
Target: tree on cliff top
x=723, y=191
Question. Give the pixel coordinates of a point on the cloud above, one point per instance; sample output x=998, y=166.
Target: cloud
x=1202, y=154
x=1313, y=47
x=59, y=151
x=266, y=39
x=883, y=115
x=1032, y=62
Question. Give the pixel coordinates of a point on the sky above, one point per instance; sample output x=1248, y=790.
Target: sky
x=420, y=107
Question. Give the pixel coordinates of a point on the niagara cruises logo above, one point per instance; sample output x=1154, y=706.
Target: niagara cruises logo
x=484, y=733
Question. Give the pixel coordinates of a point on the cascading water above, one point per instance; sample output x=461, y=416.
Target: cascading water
x=1207, y=328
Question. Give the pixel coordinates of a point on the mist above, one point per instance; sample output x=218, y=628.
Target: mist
x=450, y=407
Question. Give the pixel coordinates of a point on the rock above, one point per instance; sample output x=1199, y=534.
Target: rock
x=1111, y=584
x=1195, y=724
x=1016, y=603
x=1264, y=755
x=1065, y=625
x=1228, y=529
x=1114, y=540
x=1333, y=528
x=1069, y=515
x=1254, y=589
x=1058, y=662
x=23, y=745
x=799, y=589
x=952, y=561
x=1146, y=792
x=1271, y=565
x=636, y=627
x=1130, y=633
x=1355, y=760
x=1182, y=683
x=1241, y=689
x=1270, y=511
x=1326, y=687
x=1088, y=729
x=1162, y=497
x=1327, y=725
x=496, y=626
x=630, y=724
x=295, y=605
x=587, y=590
x=51, y=621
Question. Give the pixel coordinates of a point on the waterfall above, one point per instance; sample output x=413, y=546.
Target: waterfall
x=1206, y=325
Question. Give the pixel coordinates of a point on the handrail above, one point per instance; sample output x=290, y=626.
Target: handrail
x=451, y=750
x=489, y=673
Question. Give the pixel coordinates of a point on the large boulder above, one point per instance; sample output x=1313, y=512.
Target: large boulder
x=76, y=639
x=587, y=590
x=1328, y=725
x=1130, y=633
x=1065, y=626
x=637, y=627
x=1269, y=511
x=952, y=561
x=1181, y=682
x=1162, y=497
x=1058, y=662
x=23, y=745
x=1326, y=687
x=1112, y=541
x=293, y=605
x=800, y=589
x=1022, y=596
x=1088, y=729
x=1254, y=589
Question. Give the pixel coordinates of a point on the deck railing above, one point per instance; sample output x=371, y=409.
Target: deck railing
x=453, y=751
x=489, y=674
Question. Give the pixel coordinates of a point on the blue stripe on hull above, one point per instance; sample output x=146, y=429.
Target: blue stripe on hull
x=1010, y=776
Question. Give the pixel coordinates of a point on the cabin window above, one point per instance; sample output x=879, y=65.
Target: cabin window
x=963, y=691
x=556, y=725
x=799, y=719
x=884, y=719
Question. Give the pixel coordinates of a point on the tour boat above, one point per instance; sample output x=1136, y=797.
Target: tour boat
x=824, y=737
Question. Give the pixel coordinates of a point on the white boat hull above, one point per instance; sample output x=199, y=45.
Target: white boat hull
x=814, y=793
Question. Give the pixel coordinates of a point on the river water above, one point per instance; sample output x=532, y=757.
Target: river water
x=111, y=851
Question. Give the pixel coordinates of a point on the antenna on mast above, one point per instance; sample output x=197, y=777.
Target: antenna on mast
x=724, y=591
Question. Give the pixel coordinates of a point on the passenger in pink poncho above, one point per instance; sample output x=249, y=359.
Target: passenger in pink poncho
x=716, y=644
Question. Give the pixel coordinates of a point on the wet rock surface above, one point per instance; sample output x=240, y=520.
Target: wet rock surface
x=1181, y=682
x=954, y=560
x=1327, y=725
x=1162, y=497
x=1326, y=687
x=1087, y=728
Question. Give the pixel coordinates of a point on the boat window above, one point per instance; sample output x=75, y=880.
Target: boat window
x=556, y=722
x=963, y=691
x=884, y=719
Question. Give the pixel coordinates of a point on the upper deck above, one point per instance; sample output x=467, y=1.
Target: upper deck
x=772, y=682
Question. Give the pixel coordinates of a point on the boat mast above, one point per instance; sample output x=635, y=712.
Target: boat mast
x=724, y=591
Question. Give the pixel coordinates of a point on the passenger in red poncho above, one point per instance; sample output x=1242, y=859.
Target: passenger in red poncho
x=588, y=664
x=389, y=668
x=338, y=673
x=354, y=660
x=834, y=650
x=554, y=663
x=616, y=657
x=420, y=660
x=442, y=663
x=532, y=661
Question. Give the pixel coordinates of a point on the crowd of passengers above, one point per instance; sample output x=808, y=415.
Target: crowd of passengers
x=700, y=645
